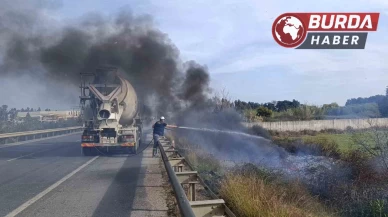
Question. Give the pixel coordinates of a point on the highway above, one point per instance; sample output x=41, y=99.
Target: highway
x=52, y=178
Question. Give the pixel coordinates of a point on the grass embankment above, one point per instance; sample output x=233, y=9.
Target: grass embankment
x=362, y=152
x=250, y=191
x=256, y=192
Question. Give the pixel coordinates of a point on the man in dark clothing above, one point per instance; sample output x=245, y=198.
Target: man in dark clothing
x=157, y=132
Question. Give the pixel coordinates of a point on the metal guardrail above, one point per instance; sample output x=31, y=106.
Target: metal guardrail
x=188, y=204
x=37, y=134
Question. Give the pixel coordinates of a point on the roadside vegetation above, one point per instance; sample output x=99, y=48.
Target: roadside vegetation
x=251, y=190
x=357, y=187
x=366, y=154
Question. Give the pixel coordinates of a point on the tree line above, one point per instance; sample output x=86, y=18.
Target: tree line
x=277, y=106
x=380, y=100
x=9, y=125
x=369, y=107
x=10, y=114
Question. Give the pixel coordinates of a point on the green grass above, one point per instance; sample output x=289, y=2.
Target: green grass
x=344, y=141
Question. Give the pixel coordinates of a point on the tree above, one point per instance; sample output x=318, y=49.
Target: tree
x=330, y=106
x=3, y=113
x=39, y=109
x=360, y=100
x=285, y=105
x=222, y=101
x=28, y=116
x=383, y=107
x=241, y=105
x=370, y=110
x=264, y=112
x=270, y=106
x=12, y=114
x=307, y=112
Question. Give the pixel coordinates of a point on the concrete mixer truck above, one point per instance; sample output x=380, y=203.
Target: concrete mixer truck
x=109, y=111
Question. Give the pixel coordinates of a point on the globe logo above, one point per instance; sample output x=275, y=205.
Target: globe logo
x=288, y=31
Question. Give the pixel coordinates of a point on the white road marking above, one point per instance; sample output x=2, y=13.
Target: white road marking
x=30, y=154
x=47, y=190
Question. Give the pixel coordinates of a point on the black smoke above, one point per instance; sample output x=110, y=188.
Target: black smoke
x=144, y=54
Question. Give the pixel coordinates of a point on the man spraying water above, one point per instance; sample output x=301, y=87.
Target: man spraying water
x=160, y=125
x=158, y=132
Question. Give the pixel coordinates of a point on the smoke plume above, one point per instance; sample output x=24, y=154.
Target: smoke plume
x=143, y=53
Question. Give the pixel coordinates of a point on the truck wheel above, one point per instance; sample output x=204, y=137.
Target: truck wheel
x=86, y=151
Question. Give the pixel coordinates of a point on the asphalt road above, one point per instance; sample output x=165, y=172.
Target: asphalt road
x=52, y=178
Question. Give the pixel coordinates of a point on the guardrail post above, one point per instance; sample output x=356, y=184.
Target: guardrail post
x=204, y=208
x=178, y=168
x=191, y=193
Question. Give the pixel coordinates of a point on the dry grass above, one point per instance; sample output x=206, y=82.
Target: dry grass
x=253, y=196
x=250, y=191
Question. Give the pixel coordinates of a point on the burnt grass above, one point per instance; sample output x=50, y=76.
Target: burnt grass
x=361, y=192
x=353, y=188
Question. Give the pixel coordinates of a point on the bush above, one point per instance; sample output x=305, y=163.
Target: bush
x=259, y=131
x=264, y=112
x=324, y=146
x=361, y=169
x=250, y=115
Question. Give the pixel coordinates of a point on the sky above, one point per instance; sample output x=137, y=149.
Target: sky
x=233, y=39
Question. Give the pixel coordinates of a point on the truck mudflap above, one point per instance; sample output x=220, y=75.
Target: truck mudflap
x=125, y=144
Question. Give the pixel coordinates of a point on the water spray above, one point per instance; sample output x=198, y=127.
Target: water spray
x=221, y=131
